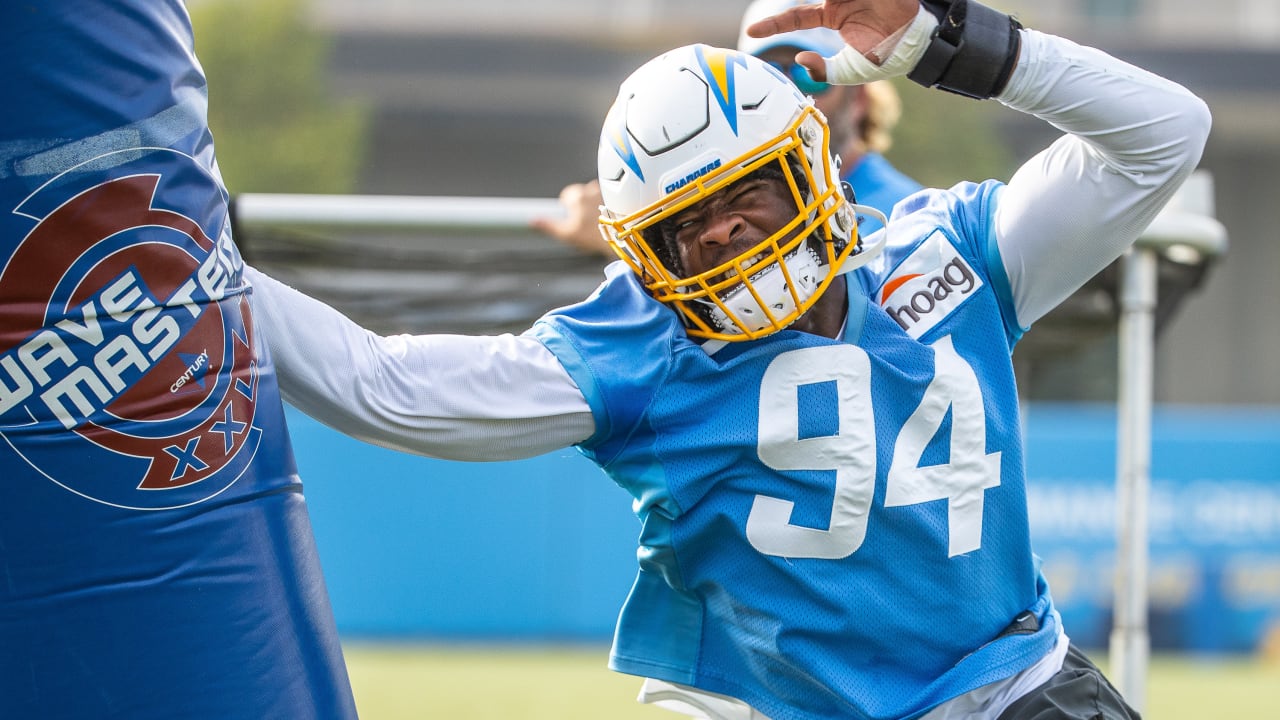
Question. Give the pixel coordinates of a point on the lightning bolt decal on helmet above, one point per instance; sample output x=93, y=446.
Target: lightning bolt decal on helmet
x=718, y=66
x=690, y=123
x=621, y=142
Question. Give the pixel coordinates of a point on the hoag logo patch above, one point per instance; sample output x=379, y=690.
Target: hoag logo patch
x=932, y=282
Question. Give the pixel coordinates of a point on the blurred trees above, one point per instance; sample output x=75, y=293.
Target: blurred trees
x=944, y=138
x=277, y=127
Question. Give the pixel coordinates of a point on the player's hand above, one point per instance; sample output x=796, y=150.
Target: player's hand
x=580, y=228
x=864, y=25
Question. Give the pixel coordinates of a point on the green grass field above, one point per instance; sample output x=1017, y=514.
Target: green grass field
x=410, y=682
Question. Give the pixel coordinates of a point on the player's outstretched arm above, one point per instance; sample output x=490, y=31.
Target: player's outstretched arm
x=449, y=396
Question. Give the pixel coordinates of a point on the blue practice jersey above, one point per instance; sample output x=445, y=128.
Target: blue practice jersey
x=156, y=557
x=830, y=528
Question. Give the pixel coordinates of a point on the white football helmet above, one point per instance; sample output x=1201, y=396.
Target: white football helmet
x=688, y=124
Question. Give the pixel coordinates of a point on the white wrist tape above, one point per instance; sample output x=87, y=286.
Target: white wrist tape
x=850, y=67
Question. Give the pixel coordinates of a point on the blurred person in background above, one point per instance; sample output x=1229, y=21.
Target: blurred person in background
x=156, y=554
x=861, y=119
x=820, y=432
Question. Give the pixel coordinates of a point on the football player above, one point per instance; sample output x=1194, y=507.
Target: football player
x=820, y=430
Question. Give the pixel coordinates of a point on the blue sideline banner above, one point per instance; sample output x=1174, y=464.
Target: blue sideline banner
x=1213, y=516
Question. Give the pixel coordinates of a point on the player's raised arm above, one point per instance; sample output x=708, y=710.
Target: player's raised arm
x=1132, y=137
x=1069, y=211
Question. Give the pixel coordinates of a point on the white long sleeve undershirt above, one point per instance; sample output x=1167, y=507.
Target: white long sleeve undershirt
x=1065, y=215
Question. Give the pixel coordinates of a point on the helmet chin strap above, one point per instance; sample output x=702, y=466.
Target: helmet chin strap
x=869, y=252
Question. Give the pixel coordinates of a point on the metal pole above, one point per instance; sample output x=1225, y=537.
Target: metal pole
x=1186, y=231
x=1130, y=642
x=391, y=212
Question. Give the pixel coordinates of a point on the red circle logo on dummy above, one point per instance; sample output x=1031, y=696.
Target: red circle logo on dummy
x=127, y=369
